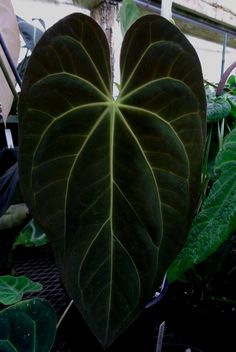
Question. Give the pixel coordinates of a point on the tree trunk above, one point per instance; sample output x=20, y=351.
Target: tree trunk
x=107, y=16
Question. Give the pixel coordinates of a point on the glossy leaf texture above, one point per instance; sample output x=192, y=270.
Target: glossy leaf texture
x=10, y=33
x=12, y=288
x=27, y=326
x=112, y=182
x=217, y=218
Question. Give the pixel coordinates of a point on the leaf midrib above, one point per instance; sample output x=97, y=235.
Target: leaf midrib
x=112, y=133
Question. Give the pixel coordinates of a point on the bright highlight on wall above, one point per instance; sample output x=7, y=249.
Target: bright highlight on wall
x=210, y=54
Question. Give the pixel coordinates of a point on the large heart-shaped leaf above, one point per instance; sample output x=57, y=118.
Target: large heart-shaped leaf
x=113, y=182
x=27, y=326
x=10, y=33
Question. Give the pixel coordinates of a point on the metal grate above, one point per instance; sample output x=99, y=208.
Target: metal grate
x=38, y=264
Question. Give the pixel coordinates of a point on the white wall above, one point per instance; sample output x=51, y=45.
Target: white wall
x=49, y=12
x=210, y=54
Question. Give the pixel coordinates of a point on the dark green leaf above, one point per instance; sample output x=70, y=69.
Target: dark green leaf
x=12, y=288
x=232, y=101
x=113, y=182
x=31, y=235
x=27, y=326
x=217, y=218
x=231, y=81
x=218, y=110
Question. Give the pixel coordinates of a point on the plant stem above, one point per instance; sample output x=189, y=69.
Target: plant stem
x=222, y=130
x=8, y=78
x=220, y=139
x=160, y=336
x=225, y=300
x=210, y=84
x=106, y=15
x=64, y=313
x=205, y=180
x=223, y=80
x=9, y=59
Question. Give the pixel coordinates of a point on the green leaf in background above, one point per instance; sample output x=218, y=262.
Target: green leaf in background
x=31, y=235
x=217, y=218
x=232, y=101
x=113, y=183
x=12, y=288
x=129, y=13
x=218, y=109
x=27, y=326
x=231, y=81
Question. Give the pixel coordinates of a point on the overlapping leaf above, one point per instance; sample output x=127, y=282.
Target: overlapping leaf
x=129, y=13
x=218, y=109
x=27, y=326
x=113, y=183
x=12, y=288
x=31, y=236
x=217, y=218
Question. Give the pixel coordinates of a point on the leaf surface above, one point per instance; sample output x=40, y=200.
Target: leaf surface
x=23, y=327
x=217, y=218
x=12, y=288
x=113, y=182
x=31, y=235
x=218, y=109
